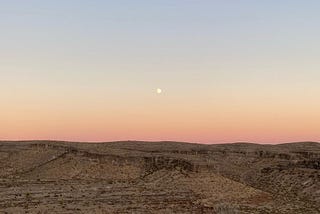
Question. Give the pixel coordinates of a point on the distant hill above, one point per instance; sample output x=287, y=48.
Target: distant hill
x=159, y=177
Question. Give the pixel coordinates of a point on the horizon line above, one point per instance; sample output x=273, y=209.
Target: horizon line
x=159, y=141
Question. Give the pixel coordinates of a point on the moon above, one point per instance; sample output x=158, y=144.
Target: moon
x=159, y=90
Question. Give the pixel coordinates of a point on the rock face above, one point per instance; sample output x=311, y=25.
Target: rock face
x=163, y=177
x=153, y=164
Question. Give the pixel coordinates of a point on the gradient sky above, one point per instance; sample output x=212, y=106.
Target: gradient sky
x=239, y=70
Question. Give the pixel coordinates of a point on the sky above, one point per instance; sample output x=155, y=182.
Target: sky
x=229, y=70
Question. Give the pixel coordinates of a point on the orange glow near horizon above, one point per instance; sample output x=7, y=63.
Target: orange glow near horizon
x=152, y=122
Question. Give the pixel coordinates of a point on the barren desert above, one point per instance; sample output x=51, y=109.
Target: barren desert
x=159, y=177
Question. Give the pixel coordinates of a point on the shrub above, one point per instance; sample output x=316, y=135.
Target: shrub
x=225, y=208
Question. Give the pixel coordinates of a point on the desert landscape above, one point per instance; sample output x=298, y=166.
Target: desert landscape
x=134, y=107
x=159, y=177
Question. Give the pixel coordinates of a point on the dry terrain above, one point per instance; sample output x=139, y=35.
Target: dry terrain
x=159, y=177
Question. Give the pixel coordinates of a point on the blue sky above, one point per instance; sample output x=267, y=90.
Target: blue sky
x=213, y=56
